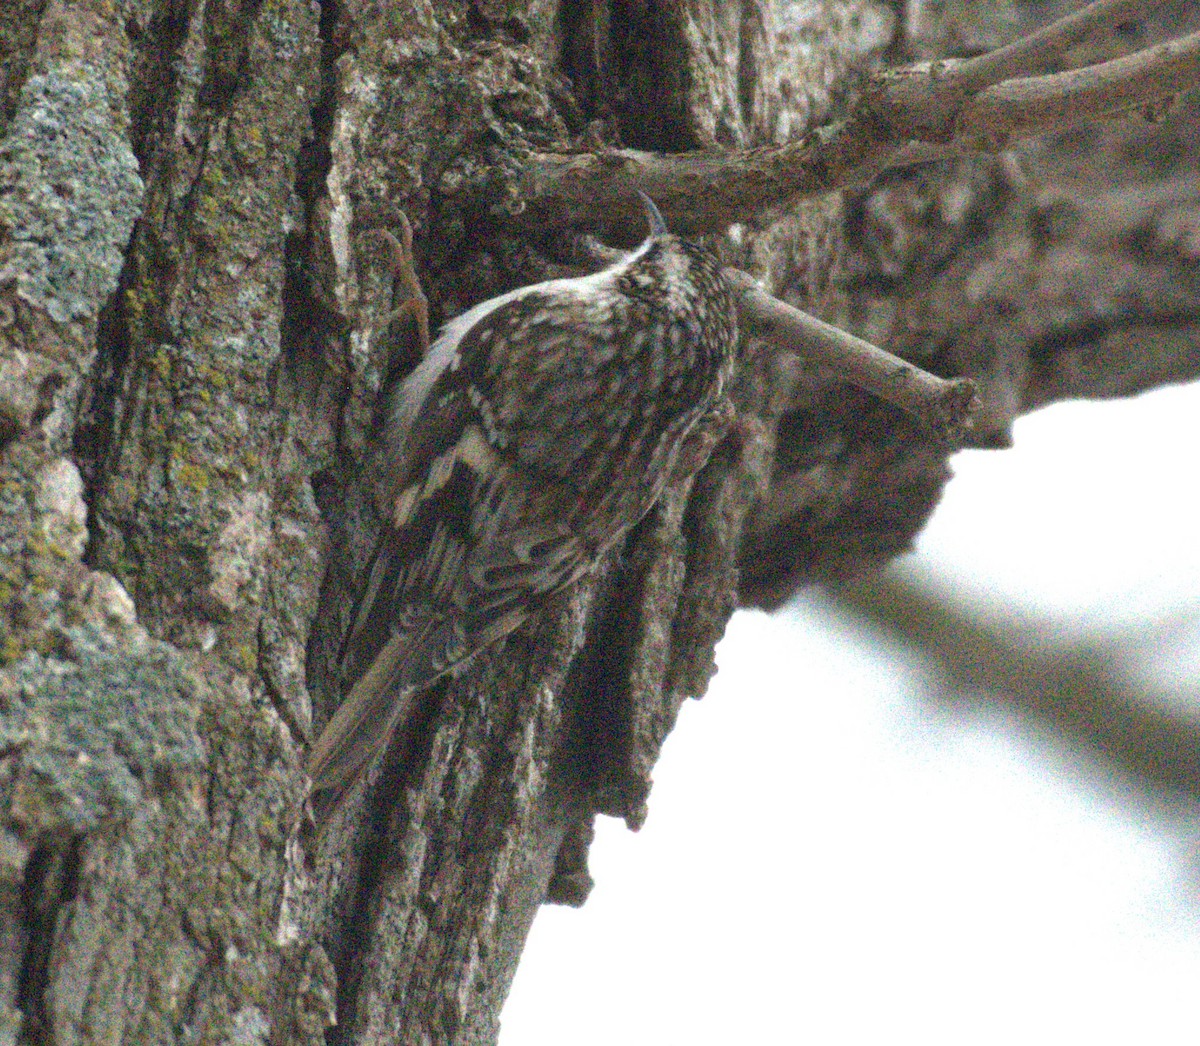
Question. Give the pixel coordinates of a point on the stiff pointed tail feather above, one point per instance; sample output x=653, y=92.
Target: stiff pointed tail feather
x=382, y=701
x=362, y=725
x=379, y=704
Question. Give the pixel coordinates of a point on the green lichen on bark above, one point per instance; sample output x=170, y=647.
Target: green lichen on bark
x=71, y=193
x=92, y=735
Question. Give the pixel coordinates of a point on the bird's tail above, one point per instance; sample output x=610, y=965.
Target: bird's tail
x=382, y=700
x=378, y=704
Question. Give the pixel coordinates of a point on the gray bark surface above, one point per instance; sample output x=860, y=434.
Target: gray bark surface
x=192, y=344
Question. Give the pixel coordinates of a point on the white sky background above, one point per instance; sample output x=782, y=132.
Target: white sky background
x=873, y=869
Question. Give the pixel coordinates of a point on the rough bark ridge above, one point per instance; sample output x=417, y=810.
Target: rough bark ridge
x=192, y=348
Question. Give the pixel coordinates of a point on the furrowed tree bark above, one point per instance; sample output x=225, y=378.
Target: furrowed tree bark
x=193, y=342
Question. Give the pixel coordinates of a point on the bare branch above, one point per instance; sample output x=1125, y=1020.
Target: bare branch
x=1047, y=49
x=904, y=116
x=1080, y=691
x=944, y=407
x=1019, y=108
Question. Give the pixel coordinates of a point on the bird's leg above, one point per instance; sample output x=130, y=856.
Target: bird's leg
x=404, y=273
x=406, y=286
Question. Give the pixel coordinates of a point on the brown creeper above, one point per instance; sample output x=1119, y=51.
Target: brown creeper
x=540, y=426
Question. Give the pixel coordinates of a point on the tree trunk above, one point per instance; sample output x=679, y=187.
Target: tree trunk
x=194, y=341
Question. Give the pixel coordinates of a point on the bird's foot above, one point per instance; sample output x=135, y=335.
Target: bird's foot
x=404, y=272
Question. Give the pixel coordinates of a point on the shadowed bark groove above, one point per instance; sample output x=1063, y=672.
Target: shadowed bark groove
x=192, y=349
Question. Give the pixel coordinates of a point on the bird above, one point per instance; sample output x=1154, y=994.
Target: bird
x=537, y=429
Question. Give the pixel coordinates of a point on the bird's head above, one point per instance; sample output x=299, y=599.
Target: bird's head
x=670, y=272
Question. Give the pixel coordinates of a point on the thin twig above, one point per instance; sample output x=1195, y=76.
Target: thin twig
x=943, y=406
